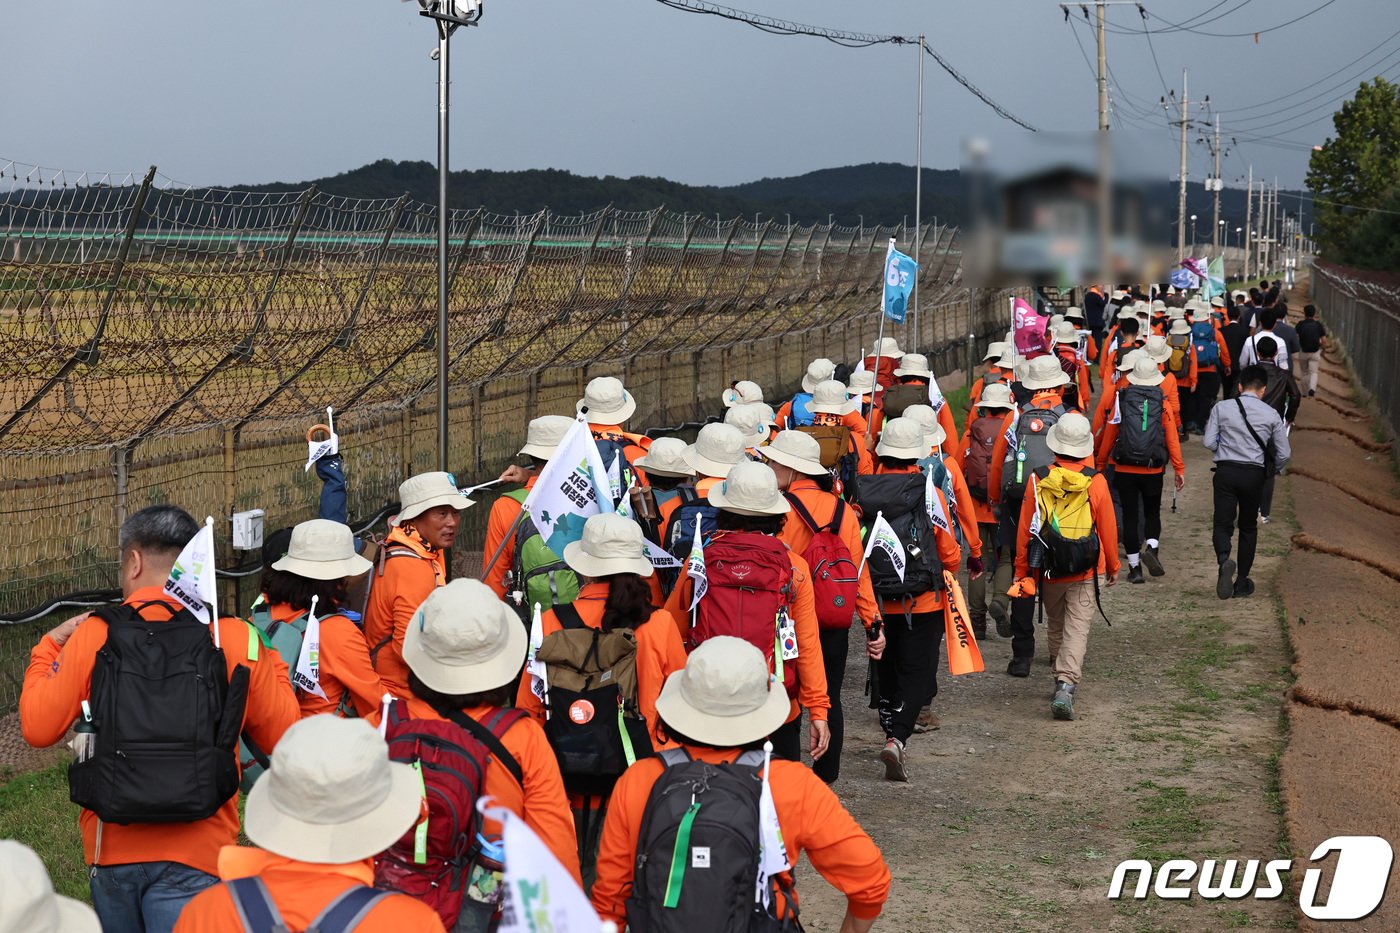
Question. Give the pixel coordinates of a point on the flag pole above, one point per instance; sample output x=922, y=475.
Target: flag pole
x=919, y=193
x=884, y=287
x=213, y=583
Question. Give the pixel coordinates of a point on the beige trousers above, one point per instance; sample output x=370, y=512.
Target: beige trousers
x=1069, y=611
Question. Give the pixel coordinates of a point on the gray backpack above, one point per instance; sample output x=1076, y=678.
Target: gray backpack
x=1142, y=437
x=1030, y=452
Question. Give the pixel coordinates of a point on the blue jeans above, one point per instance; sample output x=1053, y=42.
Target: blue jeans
x=144, y=897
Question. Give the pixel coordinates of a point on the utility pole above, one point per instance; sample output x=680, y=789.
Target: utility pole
x=1215, y=183
x=918, y=196
x=1277, y=235
x=1248, y=219
x=1183, y=124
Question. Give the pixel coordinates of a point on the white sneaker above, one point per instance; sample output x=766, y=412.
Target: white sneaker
x=1263, y=519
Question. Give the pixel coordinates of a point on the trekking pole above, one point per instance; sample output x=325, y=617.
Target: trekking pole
x=1173, y=498
x=872, y=674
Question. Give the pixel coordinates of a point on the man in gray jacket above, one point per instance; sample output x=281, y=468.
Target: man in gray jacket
x=1250, y=443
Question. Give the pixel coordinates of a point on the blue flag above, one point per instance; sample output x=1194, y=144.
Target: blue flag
x=899, y=283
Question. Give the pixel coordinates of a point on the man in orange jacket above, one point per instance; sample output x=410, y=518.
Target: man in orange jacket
x=542, y=437
x=143, y=873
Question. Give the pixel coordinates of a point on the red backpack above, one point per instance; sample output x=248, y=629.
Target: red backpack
x=750, y=582
x=453, y=757
x=981, y=438
x=835, y=579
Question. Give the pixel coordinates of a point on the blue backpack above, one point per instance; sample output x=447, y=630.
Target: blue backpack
x=801, y=410
x=1207, y=350
x=680, y=530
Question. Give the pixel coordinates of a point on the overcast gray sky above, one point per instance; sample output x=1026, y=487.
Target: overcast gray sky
x=287, y=90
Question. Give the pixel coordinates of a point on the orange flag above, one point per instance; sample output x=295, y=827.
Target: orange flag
x=964, y=657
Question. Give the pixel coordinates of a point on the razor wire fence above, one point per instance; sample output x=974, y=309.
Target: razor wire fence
x=1361, y=309
x=163, y=343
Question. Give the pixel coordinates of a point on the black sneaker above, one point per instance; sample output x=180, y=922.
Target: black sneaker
x=1001, y=615
x=1225, y=582
x=1244, y=588
x=1153, y=562
x=1019, y=667
x=979, y=628
x=1135, y=574
x=1062, y=707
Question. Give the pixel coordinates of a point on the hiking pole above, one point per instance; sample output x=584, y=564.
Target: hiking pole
x=1173, y=498
x=872, y=674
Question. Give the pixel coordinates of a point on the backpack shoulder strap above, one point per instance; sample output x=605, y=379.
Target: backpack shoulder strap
x=345, y=912
x=569, y=617
x=488, y=738
x=671, y=757
x=802, y=512
x=256, y=910
x=753, y=758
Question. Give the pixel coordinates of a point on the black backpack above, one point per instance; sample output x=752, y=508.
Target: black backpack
x=1142, y=436
x=1030, y=452
x=715, y=808
x=900, y=497
x=167, y=717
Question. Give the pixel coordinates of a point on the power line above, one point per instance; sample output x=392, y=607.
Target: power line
x=1308, y=87
x=1177, y=27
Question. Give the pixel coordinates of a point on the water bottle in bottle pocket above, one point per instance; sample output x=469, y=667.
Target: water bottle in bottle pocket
x=84, y=742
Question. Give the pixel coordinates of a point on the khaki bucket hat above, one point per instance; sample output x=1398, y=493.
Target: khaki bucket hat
x=796, y=450
x=717, y=448
x=889, y=347
x=28, y=903
x=332, y=795
x=1125, y=313
x=1217, y=301
x=322, y=550
x=1074, y=314
x=1065, y=333
x=995, y=350
x=751, y=421
x=1129, y=359
x=463, y=639
x=1044, y=372
x=750, y=489
x=543, y=435
x=666, y=457
x=914, y=364
x=724, y=696
x=1145, y=373
x=1181, y=327
x=818, y=371
x=742, y=393
x=1157, y=348
x=605, y=401
x=610, y=544
x=928, y=420
x=426, y=491
x=996, y=395
x=863, y=383
x=1071, y=436
x=903, y=439
x=1008, y=360
x=830, y=398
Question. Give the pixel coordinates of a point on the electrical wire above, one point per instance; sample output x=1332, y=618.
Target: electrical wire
x=1308, y=87
x=1177, y=27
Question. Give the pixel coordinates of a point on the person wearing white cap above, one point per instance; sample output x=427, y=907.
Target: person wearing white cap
x=743, y=392
x=542, y=437
x=1065, y=346
x=948, y=476
x=807, y=485
x=834, y=414
x=914, y=375
x=974, y=461
x=1157, y=348
x=716, y=449
x=796, y=411
x=1108, y=399
x=1212, y=363
x=607, y=405
x=720, y=708
x=1126, y=337
x=28, y=903
x=1067, y=569
x=753, y=421
x=411, y=563
x=1075, y=316
x=883, y=360
x=862, y=387
x=1139, y=443
x=329, y=804
x=667, y=474
x=994, y=373
x=759, y=589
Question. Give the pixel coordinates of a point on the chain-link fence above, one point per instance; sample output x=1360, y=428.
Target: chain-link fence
x=1361, y=309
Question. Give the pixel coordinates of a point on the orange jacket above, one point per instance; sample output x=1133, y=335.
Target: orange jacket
x=541, y=803
x=633, y=452
x=500, y=526
x=1106, y=400
x=994, y=374
x=659, y=654
x=811, y=674
x=345, y=667
x=1105, y=523
x=812, y=820
x=301, y=890
x=1169, y=429
x=945, y=415
x=981, y=511
x=59, y=679
x=949, y=554
x=1173, y=400
x=822, y=507
x=966, y=505
x=406, y=573
x=1045, y=398
x=1187, y=380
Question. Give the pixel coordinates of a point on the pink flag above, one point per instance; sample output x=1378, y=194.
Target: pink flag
x=1029, y=328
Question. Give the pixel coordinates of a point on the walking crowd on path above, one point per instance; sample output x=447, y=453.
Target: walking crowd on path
x=658, y=642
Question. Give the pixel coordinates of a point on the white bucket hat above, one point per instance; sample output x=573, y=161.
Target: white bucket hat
x=996, y=395
x=914, y=364
x=1074, y=314
x=750, y=489
x=605, y=401
x=1239, y=296
x=1044, y=372
x=889, y=347
x=724, y=696
x=610, y=544
x=1129, y=359
x=1065, y=333
x=1125, y=313
x=1158, y=305
x=928, y=420
x=28, y=903
x=995, y=350
x=1071, y=436
x=862, y=383
x=1181, y=327
x=751, y=422
x=1145, y=373
x=830, y=398
x=742, y=393
x=322, y=550
x=332, y=795
x=818, y=371
x=796, y=450
x=1157, y=348
x=903, y=439
x=1008, y=359
x=1056, y=320
x=463, y=639
x=426, y=491
x=717, y=448
x=666, y=457
x=543, y=435
x=1217, y=301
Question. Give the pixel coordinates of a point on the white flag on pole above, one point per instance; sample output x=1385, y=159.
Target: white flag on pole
x=615, y=477
x=540, y=894
x=695, y=569
x=315, y=450
x=772, y=853
x=935, y=395
x=307, y=675
x=570, y=489
x=882, y=536
x=933, y=503
x=660, y=558
x=537, y=669
x=860, y=365
x=191, y=579
x=1117, y=416
x=1035, y=512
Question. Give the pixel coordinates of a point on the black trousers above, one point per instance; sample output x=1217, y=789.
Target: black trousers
x=1147, y=523
x=1022, y=608
x=787, y=740
x=1231, y=383
x=907, y=670
x=836, y=644
x=1266, y=502
x=1238, y=489
x=1202, y=400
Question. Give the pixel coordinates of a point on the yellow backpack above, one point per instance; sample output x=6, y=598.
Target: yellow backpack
x=1065, y=521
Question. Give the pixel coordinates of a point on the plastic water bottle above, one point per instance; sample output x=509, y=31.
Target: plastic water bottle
x=84, y=742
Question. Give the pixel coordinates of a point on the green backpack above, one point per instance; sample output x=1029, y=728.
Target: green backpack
x=537, y=572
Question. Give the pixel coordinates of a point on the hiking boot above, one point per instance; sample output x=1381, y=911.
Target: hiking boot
x=1062, y=707
x=926, y=722
x=1135, y=574
x=1001, y=615
x=893, y=757
x=979, y=628
x=1019, y=667
x=1153, y=562
x=1244, y=588
x=1225, y=582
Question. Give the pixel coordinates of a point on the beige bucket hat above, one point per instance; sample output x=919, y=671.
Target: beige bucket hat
x=995, y=350
x=830, y=398
x=928, y=420
x=28, y=903
x=1065, y=333
x=1158, y=305
x=717, y=448
x=605, y=401
x=1125, y=313
x=889, y=347
x=1071, y=436
x=724, y=696
x=1217, y=301
x=610, y=544
x=322, y=550
x=1008, y=359
x=332, y=795
x=1119, y=294
x=903, y=439
x=1056, y=320
x=1044, y=372
x=914, y=364
x=543, y=435
x=426, y=491
x=666, y=457
x=996, y=395
x=863, y=383
x=742, y=393
x=751, y=422
x=796, y=450
x=1129, y=359
x=1074, y=314
x=818, y=371
x=1157, y=348
x=750, y=489
x=1181, y=327
x=1145, y=373
x=463, y=639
